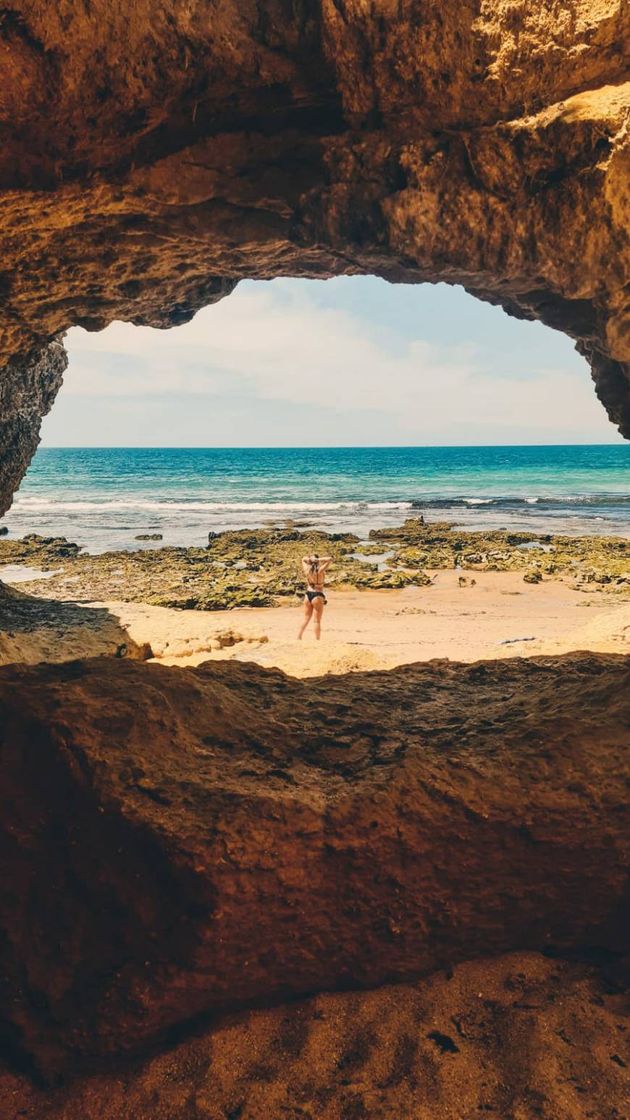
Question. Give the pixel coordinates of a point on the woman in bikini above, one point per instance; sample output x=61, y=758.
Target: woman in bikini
x=314, y=568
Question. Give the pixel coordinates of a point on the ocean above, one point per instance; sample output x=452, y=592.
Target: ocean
x=103, y=497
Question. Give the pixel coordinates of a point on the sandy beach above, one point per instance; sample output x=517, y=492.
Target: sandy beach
x=499, y=616
x=461, y=616
x=409, y=594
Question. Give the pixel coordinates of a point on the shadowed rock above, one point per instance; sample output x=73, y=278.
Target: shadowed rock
x=182, y=842
x=34, y=630
x=28, y=387
x=517, y=1036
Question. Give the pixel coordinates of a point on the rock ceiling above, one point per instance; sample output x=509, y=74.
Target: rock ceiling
x=154, y=154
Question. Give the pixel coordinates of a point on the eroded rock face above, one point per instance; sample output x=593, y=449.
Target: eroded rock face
x=28, y=388
x=154, y=155
x=518, y=1036
x=176, y=842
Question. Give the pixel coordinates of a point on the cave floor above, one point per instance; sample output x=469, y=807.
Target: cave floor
x=486, y=615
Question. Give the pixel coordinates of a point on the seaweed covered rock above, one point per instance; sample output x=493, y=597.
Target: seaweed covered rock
x=259, y=567
x=238, y=568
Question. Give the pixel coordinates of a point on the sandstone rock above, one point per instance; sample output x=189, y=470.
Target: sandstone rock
x=518, y=1036
x=34, y=629
x=149, y=537
x=177, y=842
x=533, y=577
x=153, y=156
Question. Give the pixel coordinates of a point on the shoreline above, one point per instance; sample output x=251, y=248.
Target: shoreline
x=497, y=617
x=169, y=528
x=106, y=497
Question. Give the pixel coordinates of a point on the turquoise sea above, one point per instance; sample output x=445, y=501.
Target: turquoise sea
x=103, y=497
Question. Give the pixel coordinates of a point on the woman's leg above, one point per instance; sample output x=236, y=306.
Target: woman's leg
x=318, y=606
x=308, y=611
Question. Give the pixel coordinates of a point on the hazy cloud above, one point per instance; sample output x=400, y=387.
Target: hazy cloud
x=282, y=355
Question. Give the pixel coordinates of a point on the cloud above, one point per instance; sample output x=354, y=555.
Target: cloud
x=275, y=342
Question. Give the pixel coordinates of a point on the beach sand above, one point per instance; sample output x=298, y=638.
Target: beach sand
x=492, y=615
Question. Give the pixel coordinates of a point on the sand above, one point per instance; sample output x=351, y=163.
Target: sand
x=489, y=615
x=499, y=616
x=493, y=614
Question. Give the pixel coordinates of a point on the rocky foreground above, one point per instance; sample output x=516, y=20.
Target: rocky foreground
x=180, y=843
x=261, y=567
x=516, y=1037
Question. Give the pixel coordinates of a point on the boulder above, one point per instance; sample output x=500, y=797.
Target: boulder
x=176, y=842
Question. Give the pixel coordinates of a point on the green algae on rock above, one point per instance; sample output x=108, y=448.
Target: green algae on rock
x=261, y=567
x=599, y=561
x=243, y=568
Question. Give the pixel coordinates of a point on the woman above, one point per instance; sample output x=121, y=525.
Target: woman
x=314, y=568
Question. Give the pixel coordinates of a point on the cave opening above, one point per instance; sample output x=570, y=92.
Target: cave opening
x=438, y=442
x=302, y=364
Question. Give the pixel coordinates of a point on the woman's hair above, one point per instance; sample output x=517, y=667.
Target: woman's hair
x=314, y=563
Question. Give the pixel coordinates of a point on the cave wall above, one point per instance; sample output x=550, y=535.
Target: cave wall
x=176, y=842
x=155, y=154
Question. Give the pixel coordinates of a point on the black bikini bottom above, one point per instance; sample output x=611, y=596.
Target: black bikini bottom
x=310, y=595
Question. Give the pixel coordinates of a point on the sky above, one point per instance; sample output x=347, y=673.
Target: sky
x=342, y=362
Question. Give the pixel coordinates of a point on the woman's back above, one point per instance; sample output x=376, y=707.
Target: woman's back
x=316, y=575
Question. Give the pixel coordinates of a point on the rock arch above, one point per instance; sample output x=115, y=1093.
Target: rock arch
x=154, y=155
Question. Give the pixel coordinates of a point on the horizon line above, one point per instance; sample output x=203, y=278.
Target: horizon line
x=315, y=447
